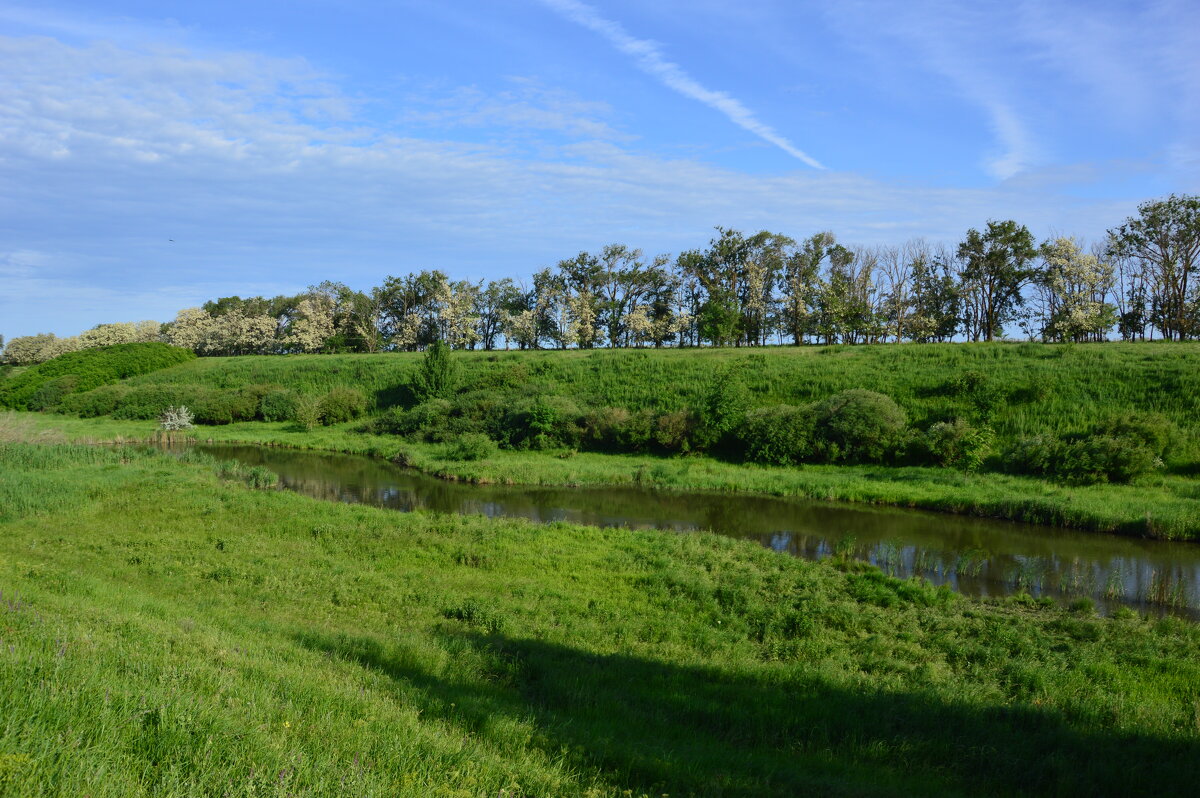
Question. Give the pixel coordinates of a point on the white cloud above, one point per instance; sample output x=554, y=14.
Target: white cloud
x=650, y=59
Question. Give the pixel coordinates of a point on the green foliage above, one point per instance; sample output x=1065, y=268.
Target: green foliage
x=1082, y=459
x=341, y=405
x=308, y=412
x=955, y=444
x=544, y=423
x=278, y=405
x=778, y=435
x=722, y=408
x=52, y=392
x=437, y=375
x=471, y=446
x=90, y=369
x=858, y=426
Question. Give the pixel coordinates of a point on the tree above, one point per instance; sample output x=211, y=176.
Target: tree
x=801, y=284
x=491, y=306
x=312, y=325
x=1077, y=286
x=996, y=266
x=1165, y=238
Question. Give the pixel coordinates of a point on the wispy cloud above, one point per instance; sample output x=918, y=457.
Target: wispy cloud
x=960, y=44
x=649, y=58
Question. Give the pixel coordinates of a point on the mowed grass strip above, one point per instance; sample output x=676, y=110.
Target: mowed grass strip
x=167, y=632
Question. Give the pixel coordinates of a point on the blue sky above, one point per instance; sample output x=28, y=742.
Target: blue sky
x=154, y=155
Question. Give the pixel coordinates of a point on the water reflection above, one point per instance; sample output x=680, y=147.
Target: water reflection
x=975, y=556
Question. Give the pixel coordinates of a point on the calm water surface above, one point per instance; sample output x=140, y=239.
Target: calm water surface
x=975, y=556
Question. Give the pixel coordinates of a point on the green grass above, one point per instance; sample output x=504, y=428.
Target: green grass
x=166, y=632
x=1162, y=507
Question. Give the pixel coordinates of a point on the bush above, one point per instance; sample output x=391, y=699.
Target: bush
x=147, y=402
x=226, y=407
x=779, y=435
x=308, y=412
x=858, y=426
x=724, y=406
x=979, y=390
x=1081, y=459
x=341, y=405
x=1151, y=430
x=99, y=402
x=437, y=375
x=471, y=446
x=277, y=405
x=176, y=418
x=542, y=424
x=673, y=431
x=431, y=421
x=956, y=444
x=615, y=429
x=51, y=393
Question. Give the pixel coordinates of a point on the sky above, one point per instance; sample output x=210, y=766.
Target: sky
x=154, y=155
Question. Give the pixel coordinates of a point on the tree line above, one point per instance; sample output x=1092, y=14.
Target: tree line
x=741, y=290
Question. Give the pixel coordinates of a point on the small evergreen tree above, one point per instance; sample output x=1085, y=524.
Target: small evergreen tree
x=436, y=377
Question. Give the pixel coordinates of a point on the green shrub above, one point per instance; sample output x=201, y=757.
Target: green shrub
x=431, y=421
x=98, y=402
x=436, y=376
x=277, y=405
x=673, y=431
x=225, y=407
x=52, y=392
x=341, y=405
x=615, y=429
x=956, y=444
x=471, y=446
x=1151, y=430
x=544, y=423
x=778, y=435
x=858, y=426
x=1081, y=459
x=308, y=412
x=149, y=401
x=724, y=405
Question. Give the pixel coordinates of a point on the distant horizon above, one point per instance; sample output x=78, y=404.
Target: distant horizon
x=156, y=157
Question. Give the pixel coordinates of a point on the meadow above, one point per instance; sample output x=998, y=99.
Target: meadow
x=169, y=629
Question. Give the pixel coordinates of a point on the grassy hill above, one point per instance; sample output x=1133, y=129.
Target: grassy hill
x=169, y=631
x=1020, y=389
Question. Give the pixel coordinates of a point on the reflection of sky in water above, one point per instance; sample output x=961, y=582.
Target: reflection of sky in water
x=976, y=556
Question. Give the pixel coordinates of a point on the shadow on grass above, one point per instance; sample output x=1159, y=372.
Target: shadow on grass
x=698, y=731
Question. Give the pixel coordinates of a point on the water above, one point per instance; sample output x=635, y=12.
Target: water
x=976, y=556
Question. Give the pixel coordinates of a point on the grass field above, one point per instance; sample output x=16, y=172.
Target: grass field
x=168, y=632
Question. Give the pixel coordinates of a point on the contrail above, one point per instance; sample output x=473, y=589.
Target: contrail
x=651, y=61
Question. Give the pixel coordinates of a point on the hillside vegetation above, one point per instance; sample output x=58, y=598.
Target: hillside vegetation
x=1013, y=390
x=169, y=631
x=46, y=385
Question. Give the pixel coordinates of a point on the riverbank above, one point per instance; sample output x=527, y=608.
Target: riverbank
x=1162, y=506
x=170, y=632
